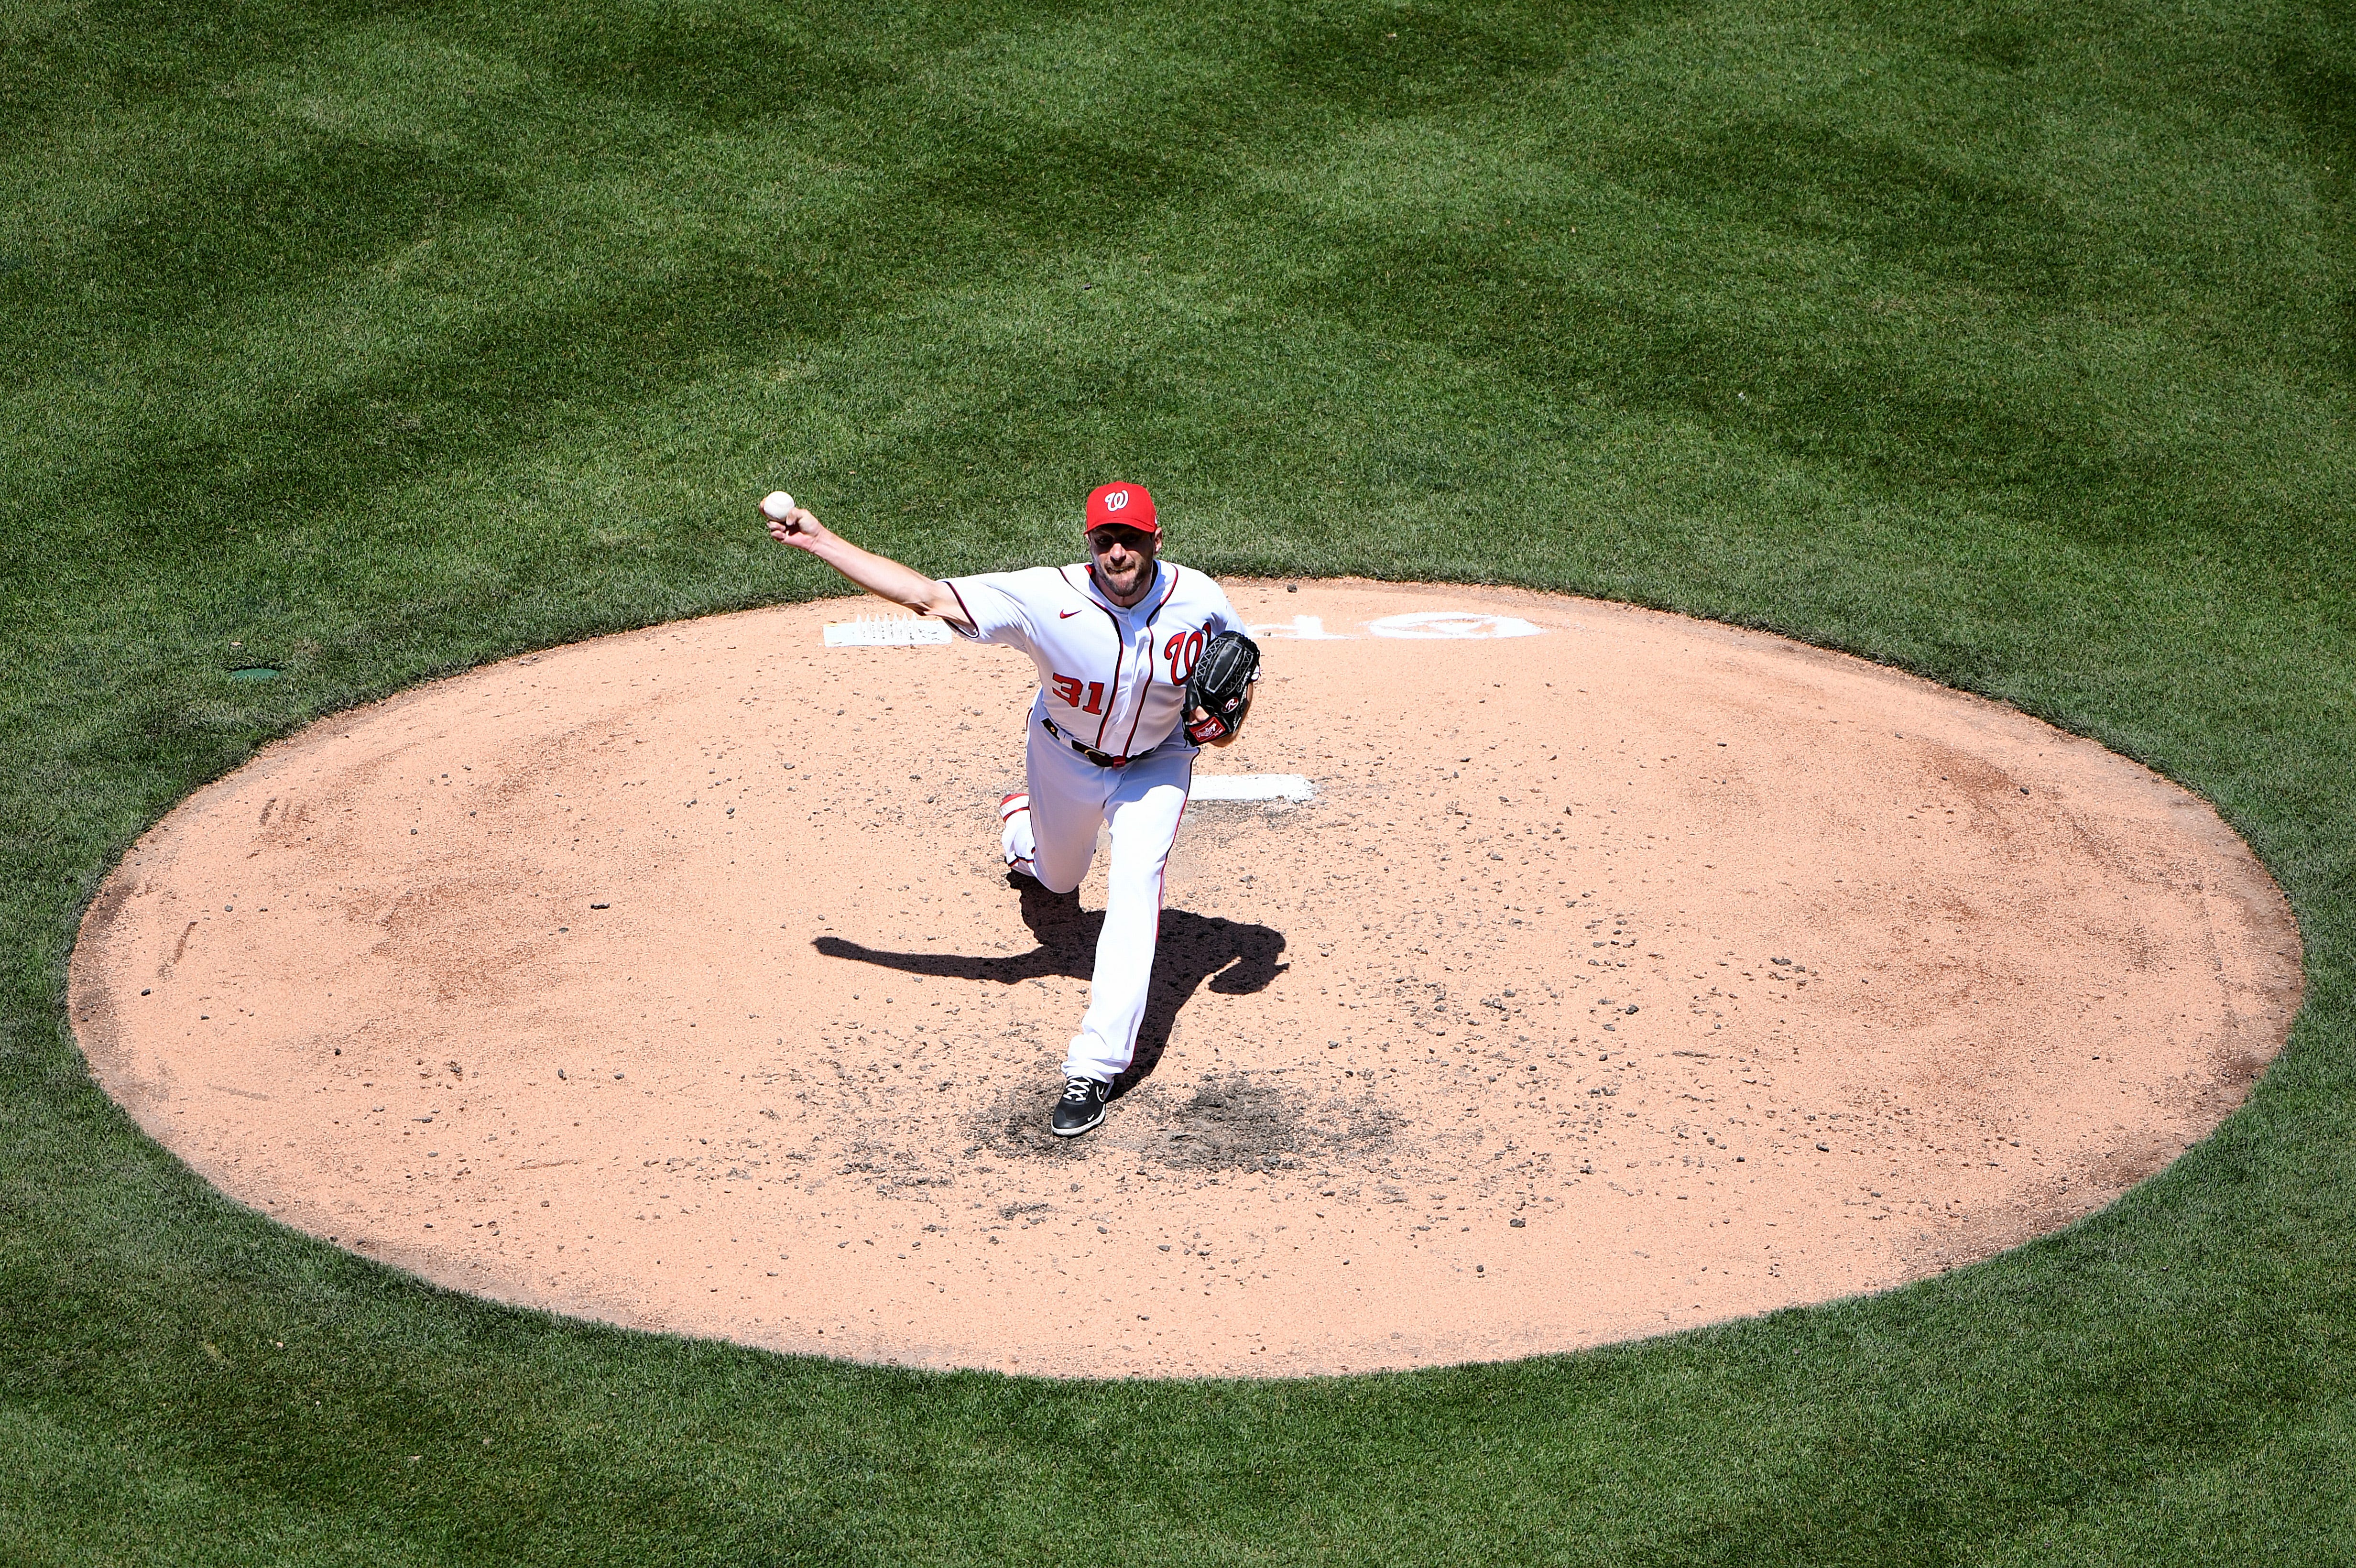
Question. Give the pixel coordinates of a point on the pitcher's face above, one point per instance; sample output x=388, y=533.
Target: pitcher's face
x=1124, y=562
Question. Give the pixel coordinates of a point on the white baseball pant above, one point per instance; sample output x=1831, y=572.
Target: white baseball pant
x=1054, y=838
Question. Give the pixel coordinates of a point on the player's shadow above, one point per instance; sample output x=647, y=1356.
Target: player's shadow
x=1236, y=958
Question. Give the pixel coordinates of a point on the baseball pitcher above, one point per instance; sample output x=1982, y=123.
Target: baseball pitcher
x=1140, y=661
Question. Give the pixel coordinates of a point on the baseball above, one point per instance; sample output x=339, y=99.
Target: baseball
x=775, y=505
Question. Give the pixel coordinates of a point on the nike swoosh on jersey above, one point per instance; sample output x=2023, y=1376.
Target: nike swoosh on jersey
x=1067, y=615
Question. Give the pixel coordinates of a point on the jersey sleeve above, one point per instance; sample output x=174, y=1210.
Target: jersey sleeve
x=991, y=606
x=1221, y=617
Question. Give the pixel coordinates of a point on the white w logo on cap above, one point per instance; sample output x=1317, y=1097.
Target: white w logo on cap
x=1117, y=500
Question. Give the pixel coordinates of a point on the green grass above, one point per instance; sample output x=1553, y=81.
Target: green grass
x=2011, y=344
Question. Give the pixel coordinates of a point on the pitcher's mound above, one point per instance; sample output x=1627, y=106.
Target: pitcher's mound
x=1619, y=973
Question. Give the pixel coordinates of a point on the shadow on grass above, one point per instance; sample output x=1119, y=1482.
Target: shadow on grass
x=1390, y=62
x=1891, y=201
x=2322, y=93
x=1891, y=415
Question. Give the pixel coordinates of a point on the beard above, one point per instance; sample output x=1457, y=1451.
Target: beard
x=1122, y=583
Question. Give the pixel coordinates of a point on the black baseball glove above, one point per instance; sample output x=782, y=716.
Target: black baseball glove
x=1219, y=685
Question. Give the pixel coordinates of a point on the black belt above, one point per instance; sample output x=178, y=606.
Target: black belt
x=1101, y=759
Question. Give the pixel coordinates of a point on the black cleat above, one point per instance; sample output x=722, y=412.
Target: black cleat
x=1082, y=1107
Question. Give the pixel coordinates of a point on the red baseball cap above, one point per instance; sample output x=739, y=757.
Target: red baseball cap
x=1126, y=504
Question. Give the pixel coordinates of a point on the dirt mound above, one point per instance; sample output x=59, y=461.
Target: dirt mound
x=1621, y=973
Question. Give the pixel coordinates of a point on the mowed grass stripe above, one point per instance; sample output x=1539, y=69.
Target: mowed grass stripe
x=2008, y=347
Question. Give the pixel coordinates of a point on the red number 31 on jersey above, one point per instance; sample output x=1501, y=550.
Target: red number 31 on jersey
x=1068, y=688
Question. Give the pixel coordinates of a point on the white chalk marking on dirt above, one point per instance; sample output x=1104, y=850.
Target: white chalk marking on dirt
x=912, y=631
x=1451, y=624
x=1253, y=786
x=886, y=632
x=1300, y=629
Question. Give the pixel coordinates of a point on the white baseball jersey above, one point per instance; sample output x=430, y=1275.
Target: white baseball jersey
x=1112, y=680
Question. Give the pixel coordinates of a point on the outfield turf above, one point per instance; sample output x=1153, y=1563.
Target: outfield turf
x=2011, y=344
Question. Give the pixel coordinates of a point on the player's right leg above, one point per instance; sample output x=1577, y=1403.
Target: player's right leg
x=1056, y=832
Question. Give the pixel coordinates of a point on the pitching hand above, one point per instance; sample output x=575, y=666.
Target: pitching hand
x=793, y=524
